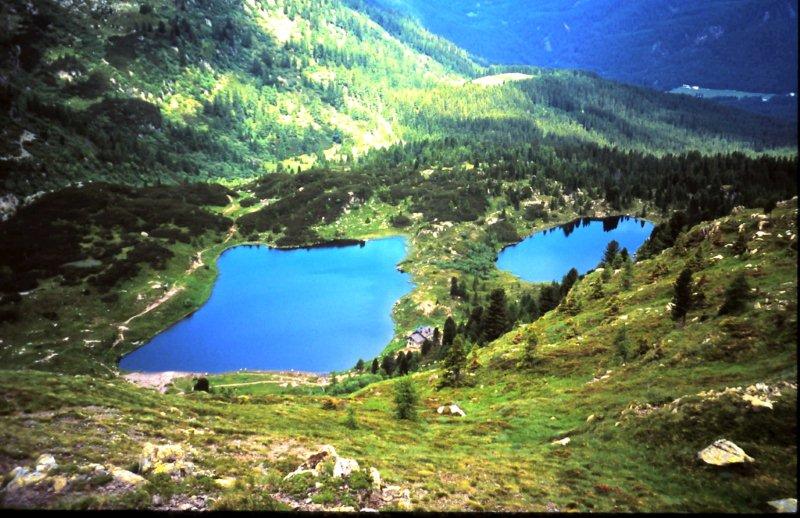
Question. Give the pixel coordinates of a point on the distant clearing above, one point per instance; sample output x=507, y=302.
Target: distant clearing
x=500, y=79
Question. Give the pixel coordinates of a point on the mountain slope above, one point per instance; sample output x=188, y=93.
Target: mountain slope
x=748, y=45
x=636, y=406
x=164, y=91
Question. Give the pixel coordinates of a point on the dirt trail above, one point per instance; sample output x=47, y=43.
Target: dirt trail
x=156, y=380
x=197, y=262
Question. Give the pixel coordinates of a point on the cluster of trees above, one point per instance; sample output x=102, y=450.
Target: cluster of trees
x=118, y=227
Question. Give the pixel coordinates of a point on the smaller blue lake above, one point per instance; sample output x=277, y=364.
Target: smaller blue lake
x=313, y=310
x=548, y=255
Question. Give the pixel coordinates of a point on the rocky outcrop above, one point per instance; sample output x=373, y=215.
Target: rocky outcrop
x=170, y=459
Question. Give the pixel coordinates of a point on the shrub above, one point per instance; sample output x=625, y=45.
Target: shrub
x=202, y=384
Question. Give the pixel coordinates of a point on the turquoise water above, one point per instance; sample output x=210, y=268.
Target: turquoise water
x=313, y=310
x=548, y=255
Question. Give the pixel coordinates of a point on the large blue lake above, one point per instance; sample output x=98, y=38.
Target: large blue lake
x=313, y=310
x=548, y=255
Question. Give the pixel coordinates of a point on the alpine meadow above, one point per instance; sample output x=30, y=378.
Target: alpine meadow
x=311, y=255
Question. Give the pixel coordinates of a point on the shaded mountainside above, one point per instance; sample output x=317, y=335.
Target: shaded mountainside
x=164, y=91
x=748, y=45
x=636, y=394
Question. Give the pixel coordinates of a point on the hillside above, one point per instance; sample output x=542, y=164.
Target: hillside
x=636, y=394
x=161, y=92
x=748, y=45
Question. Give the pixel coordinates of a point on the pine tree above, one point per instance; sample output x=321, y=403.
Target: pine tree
x=596, y=290
x=496, y=323
x=621, y=344
x=740, y=245
x=612, y=249
x=568, y=281
x=627, y=274
x=736, y=296
x=455, y=362
x=375, y=366
x=388, y=364
x=529, y=351
x=350, y=421
x=405, y=399
x=682, y=298
x=402, y=363
x=570, y=305
x=360, y=365
x=449, y=331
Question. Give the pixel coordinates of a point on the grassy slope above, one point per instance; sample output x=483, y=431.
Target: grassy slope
x=499, y=456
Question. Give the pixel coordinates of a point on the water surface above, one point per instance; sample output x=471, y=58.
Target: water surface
x=548, y=255
x=313, y=310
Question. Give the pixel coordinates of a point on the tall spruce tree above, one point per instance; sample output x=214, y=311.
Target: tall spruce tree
x=496, y=322
x=375, y=366
x=449, y=332
x=682, y=297
x=736, y=296
x=454, y=362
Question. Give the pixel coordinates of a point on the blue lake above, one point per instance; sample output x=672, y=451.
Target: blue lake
x=313, y=310
x=548, y=255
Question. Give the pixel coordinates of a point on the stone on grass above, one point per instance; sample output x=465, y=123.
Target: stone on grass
x=723, y=453
x=225, y=482
x=451, y=410
x=126, y=477
x=785, y=505
x=46, y=463
x=562, y=442
x=344, y=467
x=375, y=476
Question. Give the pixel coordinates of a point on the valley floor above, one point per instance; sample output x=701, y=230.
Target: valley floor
x=635, y=420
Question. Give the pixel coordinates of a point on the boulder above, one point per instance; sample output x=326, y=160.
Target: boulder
x=562, y=442
x=313, y=464
x=225, y=482
x=59, y=483
x=723, y=453
x=451, y=410
x=785, y=505
x=375, y=476
x=23, y=477
x=344, y=467
x=169, y=459
x=46, y=463
x=124, y=476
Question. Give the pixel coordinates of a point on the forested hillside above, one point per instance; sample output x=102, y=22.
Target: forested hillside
x=164, y=91
x=748, y=45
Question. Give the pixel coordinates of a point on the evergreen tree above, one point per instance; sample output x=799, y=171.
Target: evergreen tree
x=426, y=347
x=437, y=336
x=621, y=344
x=736, y=295
x=612, y=249
x=405, y=399
x=360, y=365
x=454, y=362
x=740, y=245
x=597, y=290
x=568, y=281
x=375, y=366
x=496, y=323
x=388, y=364
x=529, y=350
x=449, y=331
x=627, y=274
x=402, y=363
x=682, y=298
